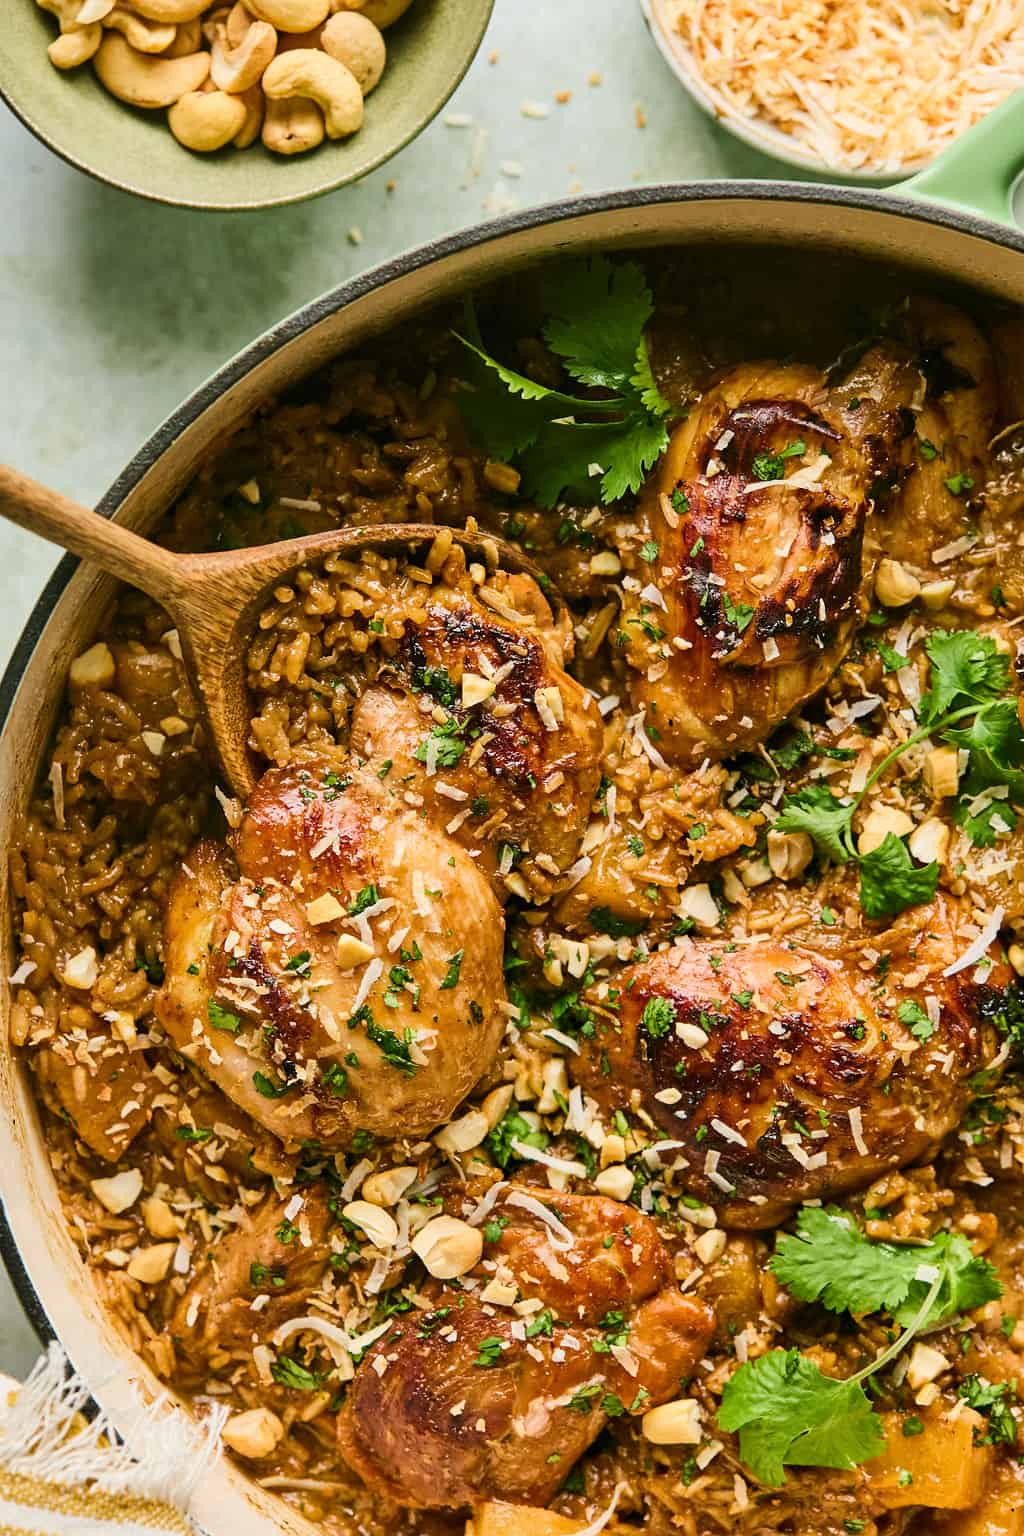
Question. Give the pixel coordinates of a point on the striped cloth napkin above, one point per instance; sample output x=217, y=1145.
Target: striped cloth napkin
x=62, y=1474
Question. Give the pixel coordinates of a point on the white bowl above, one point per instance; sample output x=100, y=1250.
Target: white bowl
x=758, y=132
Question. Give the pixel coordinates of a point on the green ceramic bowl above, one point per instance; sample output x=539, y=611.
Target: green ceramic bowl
x=429, y=51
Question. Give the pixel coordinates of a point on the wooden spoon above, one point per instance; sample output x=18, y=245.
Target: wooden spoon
x=214, y=600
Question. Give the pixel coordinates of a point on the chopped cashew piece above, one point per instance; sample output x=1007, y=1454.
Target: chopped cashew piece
x=877, y=826
x=464, y=1134
x=448, y=1247
x=388, y=1185
x=380, y=1227
x=616, y=1182
x=150, y=1265
x=325, y=909
x=253, y=1434
x=676, y=1423
x=308, y=73
x=95, y=668
x=895, y=586
x=118, y=1192
x=81, y=970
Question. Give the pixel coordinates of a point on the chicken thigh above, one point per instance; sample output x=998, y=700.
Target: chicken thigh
x=758, y=511
x=946, y=459
x=347, y=976
x=479, y=717
x=477, y=1401
x=790, y=1074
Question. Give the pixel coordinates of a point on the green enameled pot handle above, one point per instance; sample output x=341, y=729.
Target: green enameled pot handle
x=977, y=173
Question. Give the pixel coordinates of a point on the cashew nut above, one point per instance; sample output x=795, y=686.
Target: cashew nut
x=307, y=72
x=66, y=12
x=188, y=39
x=145, y=35
x=354, y=41
x=143, y=80
x=94, y=10
x=290, y=127
x=384, y=13
x=206, y=120
x=252, y=99
x=291, y=15
x=74, y=48
x=171, y=10
x=236, y=69
x=238, y=23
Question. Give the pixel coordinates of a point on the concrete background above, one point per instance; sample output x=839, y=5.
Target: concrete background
x=112, y=309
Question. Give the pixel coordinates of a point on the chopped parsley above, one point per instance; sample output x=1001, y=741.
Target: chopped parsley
x=451, y=975
x=222, y=1018
x=658, y=1017
x=395, y=1050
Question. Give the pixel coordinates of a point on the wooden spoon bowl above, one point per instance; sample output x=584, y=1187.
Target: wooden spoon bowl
x=214, y=600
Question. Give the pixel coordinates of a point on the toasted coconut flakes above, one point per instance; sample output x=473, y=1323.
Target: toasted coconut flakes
x=727, y=1133
x=564, y=1165
x=857, y=1131
x=978, y=949
x=559, y=1235
x=481, y=1211
x=57, y=788
x=20, y=976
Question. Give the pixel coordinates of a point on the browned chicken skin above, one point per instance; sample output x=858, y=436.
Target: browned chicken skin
x=314, y=1018
x=952, y=431
x=786, y=1073
x=216, y=1311
x=424, y=1422
x=758, y=510
x=521, y=767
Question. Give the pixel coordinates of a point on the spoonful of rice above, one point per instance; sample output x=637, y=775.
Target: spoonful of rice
x=215, y=601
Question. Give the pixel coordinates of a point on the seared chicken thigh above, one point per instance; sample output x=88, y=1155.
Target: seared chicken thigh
x=947, y=458
x=480, y=719
x=475, y=1401
x=347, y=976
x=789, y=1074
x=757, y=511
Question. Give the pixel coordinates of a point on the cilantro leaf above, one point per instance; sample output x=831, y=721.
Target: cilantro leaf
x=996, y=743
x=890, y=881
x=449, y=747
x=914, y=1018
x=966, y=669
x=816, y=810
x=596, y=309
x=289, y=1373
x=513, y=1127
x=830, y=1261
x=788, y=1413
x=222, y=1018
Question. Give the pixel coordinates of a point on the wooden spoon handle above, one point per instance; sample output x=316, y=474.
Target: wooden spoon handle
x=113, y=548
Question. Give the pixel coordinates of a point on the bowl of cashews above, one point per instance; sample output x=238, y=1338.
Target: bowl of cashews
x=233, y=103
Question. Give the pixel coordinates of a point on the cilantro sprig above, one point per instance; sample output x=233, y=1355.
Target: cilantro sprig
x=786, y=1410
x=969, y=705
x=596, y=311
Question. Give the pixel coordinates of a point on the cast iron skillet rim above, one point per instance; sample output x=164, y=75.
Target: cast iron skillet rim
x=334, y=299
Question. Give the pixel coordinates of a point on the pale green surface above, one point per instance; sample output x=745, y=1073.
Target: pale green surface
x=113, y=309
x=429, y=51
